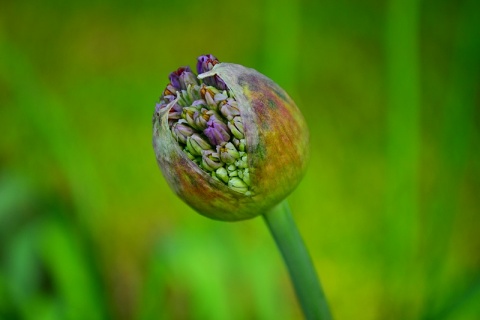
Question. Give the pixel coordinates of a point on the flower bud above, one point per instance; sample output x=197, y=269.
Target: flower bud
x=187, y=79
x=164, y=101
x=220, y=97
x=206, y=63
x=216, y=131
x=199, y=104
x=210, y=101
x=170, y=90
x=236, y=127
x=194, y=94
x=239, y=144
x=175, y=112
x=189, y=155
x=196, y=144
x=188, y=114
x=211, y=160
x=181, y=131
x=232, y=170
x=242, y=163
x=182, y=77
x=229, y=109
x=238, y=185
x=250, y=149
x=228, y=153
x=201, y=118
x=215, y=177
x=246, y=176
x=222, y=174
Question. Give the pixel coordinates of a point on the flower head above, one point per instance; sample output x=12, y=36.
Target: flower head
x=232, y=144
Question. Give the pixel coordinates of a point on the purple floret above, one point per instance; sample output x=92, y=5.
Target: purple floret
x=182, y=77
x=206, y=63
x=216, y=132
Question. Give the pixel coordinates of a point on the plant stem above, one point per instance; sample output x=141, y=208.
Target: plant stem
x=305, y=281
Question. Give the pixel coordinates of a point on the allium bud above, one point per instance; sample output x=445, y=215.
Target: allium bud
x=206, y=63
x=196, y=144
x=211, y=160
x=199, y=104
x=232, y=170
x=220, y=97
x=222, y=174
x=201, y=118
x=181, y=131
x=238, y=185
x=208, y=93
x=188, y=114
x=246, y=176
x=182, y=77
x=241, y=152
x=170, y=90
x=236, y=127
x=228, y=153
x=175, y=112
x=188, y=78
x=229, y=109
x=189, y=155
x=239, y=144
x=216, y=131
x=242, y=163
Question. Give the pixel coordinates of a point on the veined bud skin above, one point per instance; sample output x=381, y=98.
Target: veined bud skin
x=276, y=149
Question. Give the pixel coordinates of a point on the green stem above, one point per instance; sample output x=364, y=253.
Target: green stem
x=305, y=281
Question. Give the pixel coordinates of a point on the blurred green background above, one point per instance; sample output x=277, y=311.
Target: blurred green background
x=389, y=208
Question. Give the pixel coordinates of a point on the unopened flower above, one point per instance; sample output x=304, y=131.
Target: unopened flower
x=216, y=131
x=238, y=185
x=232, y=144
x=201, y=118
x=242, y=163
x=222, y=174
x=246, y=176
x=170, y=90
x=208, y=94
x=182, y=77
x=188, y=114
x=228, y=153
x=229, y=109
x=206, y=63
x=211, y=160
x=196, y=144
x=239, y=144
x=175, y=112
x=189, y=154
x=182, y=131
x=236, y=127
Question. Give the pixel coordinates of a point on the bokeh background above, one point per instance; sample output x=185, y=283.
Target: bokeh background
x=389, y=208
